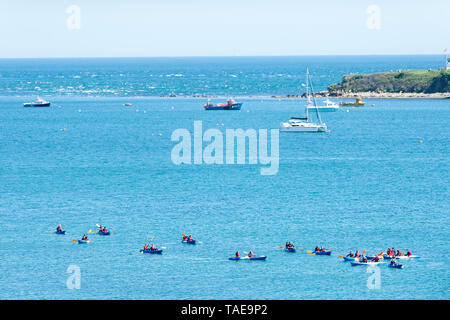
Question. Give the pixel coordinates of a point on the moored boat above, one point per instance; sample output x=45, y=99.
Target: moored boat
x=229, y=105
x=38, y=103
x=304, y=124
x=358, y=103
x=329, y=106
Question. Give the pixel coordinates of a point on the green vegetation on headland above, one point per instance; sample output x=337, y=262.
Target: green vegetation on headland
x=411, y=81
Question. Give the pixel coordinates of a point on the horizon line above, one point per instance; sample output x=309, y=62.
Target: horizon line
x=227, y=56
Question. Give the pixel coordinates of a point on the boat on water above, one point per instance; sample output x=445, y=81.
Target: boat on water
x=229, y=105
x=38, y=103
x=305, y=124
x=358, y=103
x=329, y=106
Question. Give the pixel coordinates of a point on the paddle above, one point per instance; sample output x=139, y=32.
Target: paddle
x=281, y=247
x=75, y=240
x=90, y=231
x=339, y=256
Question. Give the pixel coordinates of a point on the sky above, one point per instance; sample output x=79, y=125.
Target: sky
x=160, y=28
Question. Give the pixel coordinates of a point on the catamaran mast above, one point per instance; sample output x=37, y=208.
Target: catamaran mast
x=307, y=94
x=314, y=98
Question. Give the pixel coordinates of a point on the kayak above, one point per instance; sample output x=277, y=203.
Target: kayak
x=248, y=258
x=101, y=233
x=159, y=251
x=290, y=250
x=83, y=241
x=322, y=253
x=370, y=263
x=189, y=241
x=60, y=232
x=352, y=258
x=396, y=266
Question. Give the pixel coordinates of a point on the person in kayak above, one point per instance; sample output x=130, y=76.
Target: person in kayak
x=394, y=262
x=322, y=249
x=145, y=246
x=376, y=259
x=153, y=248
x=350, y=254
x=251, y=254
x=85, y=238
x=58, y=228
x=190, y=238
x=357, y=255
x=104, y=230
x=237, y=254
x=185, y=238
x=317, y=249
x=398, y=253
x=408, y=253
x=364, y=259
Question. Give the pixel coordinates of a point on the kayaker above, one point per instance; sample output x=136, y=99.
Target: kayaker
x=190, y=238
x=185, y=238
x=237, y=254
x=398, y=253
x=287, y=245
x=322, y=249
x=58, y=228
x=408, y=253
x=364, y=259
x=105, y=230
x=317, y=249
x=393, y=262
x=376, y=259
x=251, y=254
x=145, y=246
x=350, y=254
x=84, y=237
x=357, y=255
x=152, y=248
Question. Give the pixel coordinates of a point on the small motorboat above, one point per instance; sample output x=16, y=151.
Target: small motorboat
x=358, y=103
x=38, y=103
x=229, y=105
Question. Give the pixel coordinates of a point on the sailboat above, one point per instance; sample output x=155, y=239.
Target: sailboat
x=304, y=124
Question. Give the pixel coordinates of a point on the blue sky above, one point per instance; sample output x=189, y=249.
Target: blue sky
x=146, y=28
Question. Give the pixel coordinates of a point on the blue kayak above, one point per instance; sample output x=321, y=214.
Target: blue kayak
x=396, y=266
x=159, y=251
x=60, y=232
x=352, y=258
x=189, y=241
x=247, y=258
x=322, y=253
x=369, y=263
x=83, y=241
x=290, y=250
x=101, y=233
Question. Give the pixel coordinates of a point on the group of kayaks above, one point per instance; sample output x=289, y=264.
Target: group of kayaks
x=363, y=260
x=102, y=231
x=360, y=260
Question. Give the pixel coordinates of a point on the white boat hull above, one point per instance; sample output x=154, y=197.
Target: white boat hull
x=306, y=127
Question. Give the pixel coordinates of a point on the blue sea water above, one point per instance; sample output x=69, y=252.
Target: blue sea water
x=369, y=184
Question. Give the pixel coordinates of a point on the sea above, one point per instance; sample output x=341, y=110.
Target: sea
x=379, y=179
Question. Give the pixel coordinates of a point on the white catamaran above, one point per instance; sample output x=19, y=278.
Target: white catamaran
x=304, y=124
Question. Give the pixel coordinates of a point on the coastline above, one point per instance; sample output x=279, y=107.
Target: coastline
x=374, y=95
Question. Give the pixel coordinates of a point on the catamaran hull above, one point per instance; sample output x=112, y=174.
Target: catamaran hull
x=303, y=129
